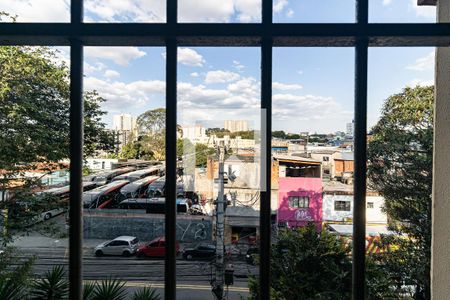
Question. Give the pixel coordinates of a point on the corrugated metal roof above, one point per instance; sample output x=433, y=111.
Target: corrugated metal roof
x=298, y=159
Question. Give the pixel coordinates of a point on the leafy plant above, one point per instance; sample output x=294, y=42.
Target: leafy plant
x=10, y=289
x=53, y=286
x=110, y=289
x=89, y=290
x=146, y=293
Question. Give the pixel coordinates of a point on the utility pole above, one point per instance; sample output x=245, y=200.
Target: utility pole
x=218, y=284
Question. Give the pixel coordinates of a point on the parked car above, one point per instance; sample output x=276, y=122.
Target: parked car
x=122, y=245
x=251, y=255
x=155, y=248
x=201, y=251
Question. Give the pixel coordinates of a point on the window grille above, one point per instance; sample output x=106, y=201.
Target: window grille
x=265, y=35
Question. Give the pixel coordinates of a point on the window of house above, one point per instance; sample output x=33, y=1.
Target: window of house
x=369, y=204
x=342, y=205
x=326, y=158
x=298, y=201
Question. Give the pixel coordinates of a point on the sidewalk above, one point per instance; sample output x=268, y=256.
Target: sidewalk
x=36, y=240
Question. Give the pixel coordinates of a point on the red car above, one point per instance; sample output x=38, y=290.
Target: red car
x=155, y=248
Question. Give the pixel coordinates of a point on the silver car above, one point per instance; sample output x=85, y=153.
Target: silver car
x=122, y=245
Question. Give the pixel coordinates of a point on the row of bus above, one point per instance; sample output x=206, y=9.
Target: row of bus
x=126, y=188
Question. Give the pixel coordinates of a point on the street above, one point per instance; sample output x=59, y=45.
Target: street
x=193, y=277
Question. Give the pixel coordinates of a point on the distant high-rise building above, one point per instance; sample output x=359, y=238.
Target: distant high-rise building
x=236, y=125
x=124, y=125
x=350, y=129
x=124, y=122
x=194, y=133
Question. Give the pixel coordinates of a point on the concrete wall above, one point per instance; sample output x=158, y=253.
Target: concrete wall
x=440, y=244
x=373, y=215
x=109, y=225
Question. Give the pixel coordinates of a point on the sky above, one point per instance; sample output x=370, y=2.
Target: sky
x=313, y=88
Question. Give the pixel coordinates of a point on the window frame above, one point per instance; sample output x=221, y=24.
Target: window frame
x=342, y=205
x=264, y=35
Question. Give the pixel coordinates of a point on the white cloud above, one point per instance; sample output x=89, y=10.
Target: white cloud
x=194, y=74
x=120, y=94
x=96, y=67
x=289, y=13
x=120, y=55
x=420, y=82
x=111, y=74
x=37, y=10
x=205, y=11
x=219, y=10
x=220, y=76
x=306, y=107
x=300, y=72
x=248, y=10
x=279, y=5
x=238, y=66
x=423, y=63
x=126, y=10
x=387, y=2
x=247, y=87
x=286, y=87
x=423, y=11
x=188, y=57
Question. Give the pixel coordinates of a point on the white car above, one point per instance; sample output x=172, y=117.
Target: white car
x=122, y=245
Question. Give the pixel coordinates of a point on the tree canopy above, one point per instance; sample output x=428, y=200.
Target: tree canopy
x=400, y=155
x=34, y=110
x=34, y=122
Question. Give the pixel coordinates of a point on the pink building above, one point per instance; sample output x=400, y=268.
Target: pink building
x=299, y=191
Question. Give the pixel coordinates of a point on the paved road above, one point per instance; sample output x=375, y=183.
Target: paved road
x=193, y=277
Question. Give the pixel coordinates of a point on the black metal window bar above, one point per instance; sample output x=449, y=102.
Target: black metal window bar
x=265, y=35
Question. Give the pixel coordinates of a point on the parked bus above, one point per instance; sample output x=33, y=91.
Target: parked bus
x=139, y=174
x=153, y=205
x=106, y=196
x=137, y=189
x=64, y=191
x=107, y=176
x=158, y=187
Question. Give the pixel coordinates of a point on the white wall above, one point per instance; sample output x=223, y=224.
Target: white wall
x=373, y=215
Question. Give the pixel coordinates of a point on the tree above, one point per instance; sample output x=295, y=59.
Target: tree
x=34, y=110
x=305, y=264
x=202, y=152
x=34, y=121
x=400, y=156
x=279, y=134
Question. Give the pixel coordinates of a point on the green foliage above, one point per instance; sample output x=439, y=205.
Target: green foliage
x=306, y=264
x=146, y=293
x=89, y=290
x=202, y=152
x=130, y=151
x=279, y=134
x=11, y=290
x=53, y=286
x=110, y=289
x=14, y=277
x=151, y=143
x=400, y=168
x=34, y=117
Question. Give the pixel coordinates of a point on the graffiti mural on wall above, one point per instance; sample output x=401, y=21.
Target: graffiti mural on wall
x=146, y=228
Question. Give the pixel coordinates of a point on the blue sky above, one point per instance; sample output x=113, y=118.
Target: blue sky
x=313, y=87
